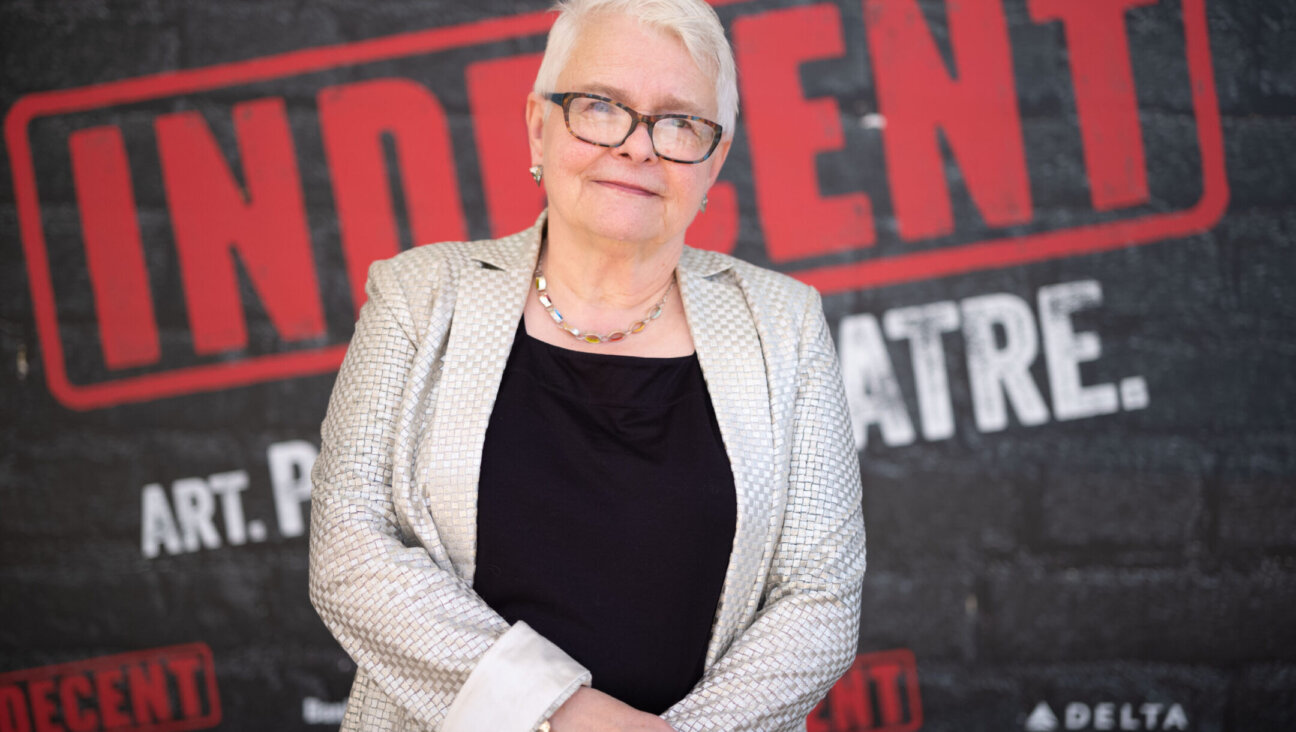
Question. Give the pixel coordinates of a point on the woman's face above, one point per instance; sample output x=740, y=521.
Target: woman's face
x=624, y=193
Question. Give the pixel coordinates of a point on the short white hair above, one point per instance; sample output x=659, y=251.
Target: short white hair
x=694, y=22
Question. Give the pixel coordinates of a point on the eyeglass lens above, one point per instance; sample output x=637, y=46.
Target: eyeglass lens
x=604, y=123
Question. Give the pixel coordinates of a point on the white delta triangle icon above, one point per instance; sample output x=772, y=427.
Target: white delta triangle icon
x=1041, y=719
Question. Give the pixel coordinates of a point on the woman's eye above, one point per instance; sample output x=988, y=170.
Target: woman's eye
x=681, y=125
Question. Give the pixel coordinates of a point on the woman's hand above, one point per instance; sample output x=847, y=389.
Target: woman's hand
x=589, y=710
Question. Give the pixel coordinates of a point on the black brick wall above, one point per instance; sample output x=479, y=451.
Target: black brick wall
x=1142, y=556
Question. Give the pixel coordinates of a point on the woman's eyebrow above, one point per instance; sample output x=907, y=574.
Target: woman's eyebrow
x=670, y=103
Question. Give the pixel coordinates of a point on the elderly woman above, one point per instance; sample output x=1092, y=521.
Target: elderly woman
x=585, y=477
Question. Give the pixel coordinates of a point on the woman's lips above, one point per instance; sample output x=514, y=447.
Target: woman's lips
x=627, y=187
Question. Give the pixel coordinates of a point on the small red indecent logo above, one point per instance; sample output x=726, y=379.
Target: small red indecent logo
x=159, y=690
x=878, y=694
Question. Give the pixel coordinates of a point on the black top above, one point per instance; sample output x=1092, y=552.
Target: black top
x=606, y=513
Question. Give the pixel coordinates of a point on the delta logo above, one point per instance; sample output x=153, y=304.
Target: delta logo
x=1131, y=716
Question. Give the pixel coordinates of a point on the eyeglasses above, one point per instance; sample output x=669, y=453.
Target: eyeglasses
x=680, y=138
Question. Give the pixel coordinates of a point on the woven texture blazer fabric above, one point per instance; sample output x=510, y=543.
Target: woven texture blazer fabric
x=393, y=514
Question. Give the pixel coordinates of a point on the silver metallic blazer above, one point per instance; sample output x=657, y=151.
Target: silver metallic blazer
x=393, y=511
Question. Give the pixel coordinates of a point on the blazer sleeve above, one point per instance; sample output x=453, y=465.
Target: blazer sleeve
x=804, y=637
x=419, y=631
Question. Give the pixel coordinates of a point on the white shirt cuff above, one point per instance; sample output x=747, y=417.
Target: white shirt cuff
x=520, y=680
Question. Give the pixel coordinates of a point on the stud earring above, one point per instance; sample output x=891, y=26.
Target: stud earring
x=537, y=172
x=704, y=202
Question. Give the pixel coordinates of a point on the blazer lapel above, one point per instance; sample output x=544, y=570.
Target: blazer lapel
x=490, y=293
x=733, y=364
x=489, y=296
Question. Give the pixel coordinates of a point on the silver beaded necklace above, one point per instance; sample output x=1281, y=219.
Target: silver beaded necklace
x=542, y=291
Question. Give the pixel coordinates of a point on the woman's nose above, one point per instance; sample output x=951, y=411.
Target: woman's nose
x=638, y=146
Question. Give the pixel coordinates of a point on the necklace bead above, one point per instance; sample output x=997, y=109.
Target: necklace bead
x=542, y=293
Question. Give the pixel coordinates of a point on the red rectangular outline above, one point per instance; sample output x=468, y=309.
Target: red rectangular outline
x=200, y=650
x=976, y=256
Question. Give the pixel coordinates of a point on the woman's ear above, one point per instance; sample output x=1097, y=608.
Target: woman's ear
x=535, y=109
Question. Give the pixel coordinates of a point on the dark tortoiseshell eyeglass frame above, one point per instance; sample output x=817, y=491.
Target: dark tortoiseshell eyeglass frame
x=564, y=100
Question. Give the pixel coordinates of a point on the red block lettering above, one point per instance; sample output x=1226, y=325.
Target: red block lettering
x=114, y=253
x=818, y=720
x=787, y=131
x=185, y=670
x=108, y=686
x=977, y=113
x=1105, y=102
x=266, y=225
x=887, y=677
x=354, y=118
x=42, y=706
x=851, y=704
x=497, y=91
x=13, y=710
x=125, y=691
x=879, y=693
x=149, y=700
x=72, y=689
